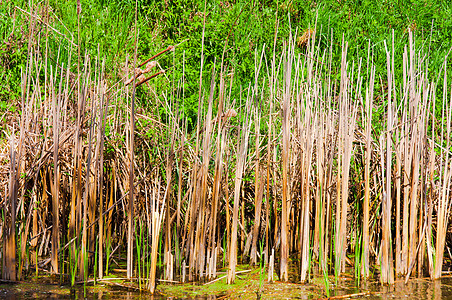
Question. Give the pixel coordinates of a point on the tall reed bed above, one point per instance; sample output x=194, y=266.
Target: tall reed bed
x=301, y=162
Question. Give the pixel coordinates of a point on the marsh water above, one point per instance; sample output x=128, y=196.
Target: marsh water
x=346, y=288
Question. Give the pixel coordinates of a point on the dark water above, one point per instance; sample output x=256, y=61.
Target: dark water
x=415, y=289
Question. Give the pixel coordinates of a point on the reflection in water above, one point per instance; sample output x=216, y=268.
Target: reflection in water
x=415, y=289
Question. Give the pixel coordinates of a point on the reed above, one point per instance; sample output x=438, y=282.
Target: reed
x=321, y=166
x=242, y=149
x=9, y=231
x=288, y=60
x=444, y=202
x=258, y=184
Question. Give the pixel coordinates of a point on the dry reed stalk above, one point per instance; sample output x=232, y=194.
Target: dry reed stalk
x=228, y=214
x=75, y=207
x=194, y=203
x=386, y=263
x=169, y=172
x=206, y=148
x=321, y=195
x=9, y=230
x=92, y=192
x=242, y=149
x=276, y=199
x=431, y=193
x=366, y=208
x=415, y=154
x=424, y=120
x=27, y=111
x=267, y=200
x=270, y=153
x=109, y=217
x=328, y=182
x=348, y=147
x=130, y=211
x=319, y=182
x=308, y=114
x=406, y=162
x=158, y=209
x=83, y=267
x=307, y=148
x=170, y=48
x=338, y=232
x=34, y=241
x=190, y=223
x=44, y=205
x=74, y=223
x=286, y=112
x=100, y=168
x=34, y=230
x=347, y=121
x=220, y=146
x=398, y=187
x=268, y=171
x=444, y=202
x=180, y=180
x=93, y=176
x=413, y=196
x=179, y=236
x=258, y=185
x=56, y=183
x=257, y=194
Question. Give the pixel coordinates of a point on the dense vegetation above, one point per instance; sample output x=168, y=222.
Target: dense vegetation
x=237, y=28
x=319, y=130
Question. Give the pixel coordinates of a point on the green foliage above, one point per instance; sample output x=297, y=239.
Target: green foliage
x=236, y=30
x=13, y=55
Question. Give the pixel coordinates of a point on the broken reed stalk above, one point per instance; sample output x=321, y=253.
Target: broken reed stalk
x=154, y=223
